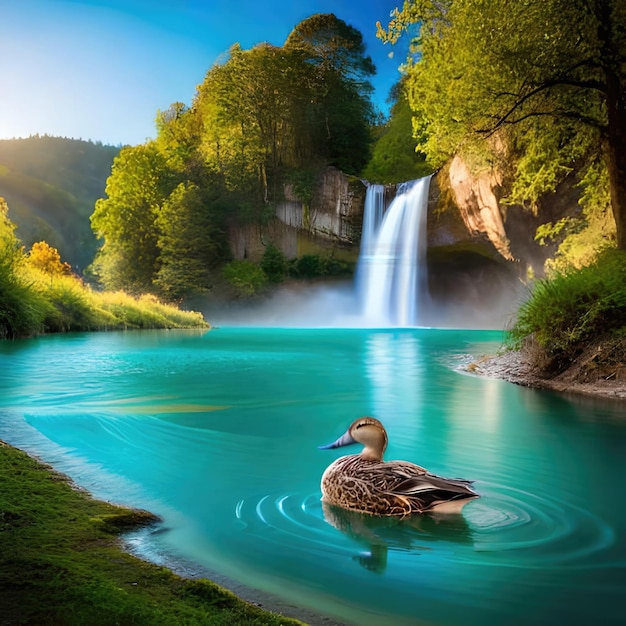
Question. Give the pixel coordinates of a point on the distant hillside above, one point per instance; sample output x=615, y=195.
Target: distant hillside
x=51, y=185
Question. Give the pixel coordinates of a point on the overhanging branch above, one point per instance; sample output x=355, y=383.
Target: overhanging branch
x=560, y=114
x=535, y=91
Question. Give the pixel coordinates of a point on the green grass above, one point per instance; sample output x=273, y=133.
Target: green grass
x=38, y=295
x=32, y=302
x=571, y=308
x=74, y=306
x=61, y=562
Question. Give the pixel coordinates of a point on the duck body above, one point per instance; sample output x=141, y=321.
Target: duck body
x=365, y=483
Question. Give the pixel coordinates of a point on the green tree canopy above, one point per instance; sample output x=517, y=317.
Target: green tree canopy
x=341, y=112
x=334, y=46
x=178, y=139
x=126, y=220
x=270, y=109
x=395, y=157
x=246, y=106
x=189, y=241
x=542, y=81
x=261, y=118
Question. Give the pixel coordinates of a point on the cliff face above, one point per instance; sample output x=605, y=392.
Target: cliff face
x=467, y=209
x=465, y=217
x=330, y=224
x=480, y=250
x=477, y=204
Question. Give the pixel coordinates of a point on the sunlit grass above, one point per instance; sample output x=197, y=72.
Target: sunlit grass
x=146, y=312
x=65, y=303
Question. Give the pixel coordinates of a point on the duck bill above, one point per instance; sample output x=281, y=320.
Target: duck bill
x=345, y=440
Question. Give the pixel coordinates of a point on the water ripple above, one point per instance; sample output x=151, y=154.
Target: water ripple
x=530, y=530
x=291, y=514
x=506, y=527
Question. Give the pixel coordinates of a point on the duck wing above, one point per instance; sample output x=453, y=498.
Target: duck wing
x=429, y=490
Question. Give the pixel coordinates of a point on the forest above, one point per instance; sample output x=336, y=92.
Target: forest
x=262, y=119
x=51, y=185
x=550, y=108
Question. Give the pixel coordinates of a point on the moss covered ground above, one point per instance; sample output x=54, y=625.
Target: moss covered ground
x=62, y=562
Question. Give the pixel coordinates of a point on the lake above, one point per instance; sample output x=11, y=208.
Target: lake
x=218, y=433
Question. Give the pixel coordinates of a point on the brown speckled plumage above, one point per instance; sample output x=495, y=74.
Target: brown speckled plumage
x=367, y=484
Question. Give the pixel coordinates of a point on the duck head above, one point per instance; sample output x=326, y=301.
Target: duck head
x=367, y=431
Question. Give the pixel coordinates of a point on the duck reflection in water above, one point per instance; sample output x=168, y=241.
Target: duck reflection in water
x=393, y=504
x=381, y=534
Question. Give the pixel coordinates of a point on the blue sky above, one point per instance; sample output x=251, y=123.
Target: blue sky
x=100, y=69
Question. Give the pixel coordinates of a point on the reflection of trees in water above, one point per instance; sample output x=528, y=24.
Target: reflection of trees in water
x=409, y=534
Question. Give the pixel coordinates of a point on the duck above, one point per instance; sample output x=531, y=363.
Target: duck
x=366, y=483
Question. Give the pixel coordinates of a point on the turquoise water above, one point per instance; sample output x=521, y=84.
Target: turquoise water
x=218, y=432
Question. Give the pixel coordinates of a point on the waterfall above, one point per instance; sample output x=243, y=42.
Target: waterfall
x=372, y=216
x=391, y=276
x=372, y=219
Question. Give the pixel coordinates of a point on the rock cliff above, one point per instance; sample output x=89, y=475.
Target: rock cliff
x=329, y=224
x=466, y=217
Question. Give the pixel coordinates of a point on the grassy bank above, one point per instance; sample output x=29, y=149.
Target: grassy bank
x=69, y=305
x=40, y=294
x=61, y=562
x=573, y=311
x=32, y=303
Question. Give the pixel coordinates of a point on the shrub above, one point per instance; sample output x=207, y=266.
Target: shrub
x=246, y=277
x=72, y=309
x=575, y=306
x=274, y=264
x=307, y=266
x=21, y=308
x=314, y=266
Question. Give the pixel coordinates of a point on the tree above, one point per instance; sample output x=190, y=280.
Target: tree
x=554, y=95
x=274, y=263
x=332, y=46
x=178, y=139
x=340, y=108
x=189, y=241
x=395, y=157
x=140, y=181
x=247, y=105
x=246, y=277
x=47, y=259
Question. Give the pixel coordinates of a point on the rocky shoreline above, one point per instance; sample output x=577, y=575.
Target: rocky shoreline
x=594, y=373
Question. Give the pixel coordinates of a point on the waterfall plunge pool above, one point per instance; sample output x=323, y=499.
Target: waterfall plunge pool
x=217, y=432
